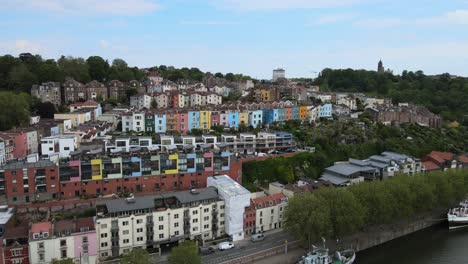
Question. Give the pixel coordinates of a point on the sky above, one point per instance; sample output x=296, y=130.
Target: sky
x=251, y=37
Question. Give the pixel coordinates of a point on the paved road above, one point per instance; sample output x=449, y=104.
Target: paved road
x=246, y=247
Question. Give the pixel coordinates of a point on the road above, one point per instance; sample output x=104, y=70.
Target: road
x=246, y=247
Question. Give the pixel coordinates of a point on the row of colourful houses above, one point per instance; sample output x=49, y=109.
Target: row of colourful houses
x=183, y=121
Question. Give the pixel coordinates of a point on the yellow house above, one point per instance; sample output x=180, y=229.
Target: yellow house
x=303, y=112
x=244, y=118
x=205, y=120
x=265, y=95
x=174, y=158
x=96, y=169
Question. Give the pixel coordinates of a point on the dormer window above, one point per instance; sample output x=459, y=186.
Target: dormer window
x=45, y=234
x=36, y=236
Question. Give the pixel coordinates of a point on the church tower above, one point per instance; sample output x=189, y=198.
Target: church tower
x=380, y=67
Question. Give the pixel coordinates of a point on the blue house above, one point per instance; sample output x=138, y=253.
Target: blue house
x=281, y=114
x=275, y=115
x=160, y=123
x=268, y=116
x=255, y=118
x=295, y=113
x=193, y=120
x=325, y=111
x=234, y=119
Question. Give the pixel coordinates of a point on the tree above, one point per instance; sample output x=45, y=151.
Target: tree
x=98, y=68
x=136, y=256
x=154, y=104
x=185, y=253
x=219, y=75
x=308, y=217
x=15, y=109
x=230, y=77
x=63, y=261
x=44, y=109
x=76, y=68
x=21, y=78
x=130, y=92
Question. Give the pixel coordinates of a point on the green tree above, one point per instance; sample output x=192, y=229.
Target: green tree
x=21, y=78
x=346, y=213
x=63, y=261
x=308, y=217
x=185, y=253
x=97, y=68
x=76, y=68
x=15, y=109
x=154, y=104
x=219, y=75
x=136, y=256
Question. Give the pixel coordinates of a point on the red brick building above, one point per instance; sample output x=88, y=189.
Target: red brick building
x=14, y=248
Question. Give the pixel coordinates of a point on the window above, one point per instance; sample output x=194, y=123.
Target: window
x=41, y=245
x=195, y=212
x=41, y=256
x=222, y=222
x=13, y=181
x=206, y=218
x=176, y=233
x=221, y=207
x=104, y=244
x=16, y=252
x=161, y=235
x=161, y=227
x=161, y=218
x=206, y=226
x=126, y=232
x=63, y=254
x=176, y=224
x=206, y=210
x=104, y=254
x=139, y=230
x=221, y=215
x=16, y=261
x=66, y=148
x=125, y=223
x=126, y=241
x=63, y=243
x=103, y=235
x=195, y=220
x=139, y=238
x=139, y=221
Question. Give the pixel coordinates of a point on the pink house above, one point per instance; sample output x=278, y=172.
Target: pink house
x=85, y=240
x=224, y=118
x=21, y=143
x=215, y=118
x=183, y=122
x=288, y=114
x=208, y=161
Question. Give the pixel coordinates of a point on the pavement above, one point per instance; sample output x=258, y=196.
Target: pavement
x=244, y=248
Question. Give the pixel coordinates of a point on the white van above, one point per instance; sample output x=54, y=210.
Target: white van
x=257, y=237
x=225, y=246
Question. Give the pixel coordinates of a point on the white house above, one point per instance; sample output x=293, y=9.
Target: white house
x=60, y=144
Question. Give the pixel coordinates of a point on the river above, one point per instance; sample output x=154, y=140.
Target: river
x=433, y=245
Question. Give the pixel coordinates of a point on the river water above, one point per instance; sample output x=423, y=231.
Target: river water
x=430, y=246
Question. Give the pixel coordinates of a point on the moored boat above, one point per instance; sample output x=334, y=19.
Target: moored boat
x=319, y=255
x=458, y=217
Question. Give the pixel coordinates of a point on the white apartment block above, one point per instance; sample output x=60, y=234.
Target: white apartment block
x=152, y=221
x=60, y=145
x=141, y=101
x=133, y=122
x=236, y=198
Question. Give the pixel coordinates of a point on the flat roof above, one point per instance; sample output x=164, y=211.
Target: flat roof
x=348, y=169
x=147, y=202
x=6, y=215
x=23, y=164
x=336, y=180
x=228, y=185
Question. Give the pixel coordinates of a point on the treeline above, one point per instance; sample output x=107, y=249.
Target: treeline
x=337, y=141
x=442, y=94
x=20, y=73
x=15, y=109
x=338, y=212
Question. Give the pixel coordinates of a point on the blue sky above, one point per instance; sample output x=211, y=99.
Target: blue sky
x=245, y=36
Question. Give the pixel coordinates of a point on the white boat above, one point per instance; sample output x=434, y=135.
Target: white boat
x=458, y=217
x=319, y=255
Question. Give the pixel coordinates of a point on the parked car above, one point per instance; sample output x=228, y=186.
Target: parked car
x=206, y=250
x=257, y=237
x=225, y=246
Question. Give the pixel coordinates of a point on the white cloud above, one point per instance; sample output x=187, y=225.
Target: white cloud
x=253, y=5
x=457, y=17
x=85, y=7
x=334, y=18
x=206, y=23
x=21, y=45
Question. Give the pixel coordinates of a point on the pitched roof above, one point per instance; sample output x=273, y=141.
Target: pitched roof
x=445, y=156
x=429, y=166
x=463, y=158
x=41, y=227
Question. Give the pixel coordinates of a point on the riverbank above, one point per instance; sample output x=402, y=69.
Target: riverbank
x=378, y=235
